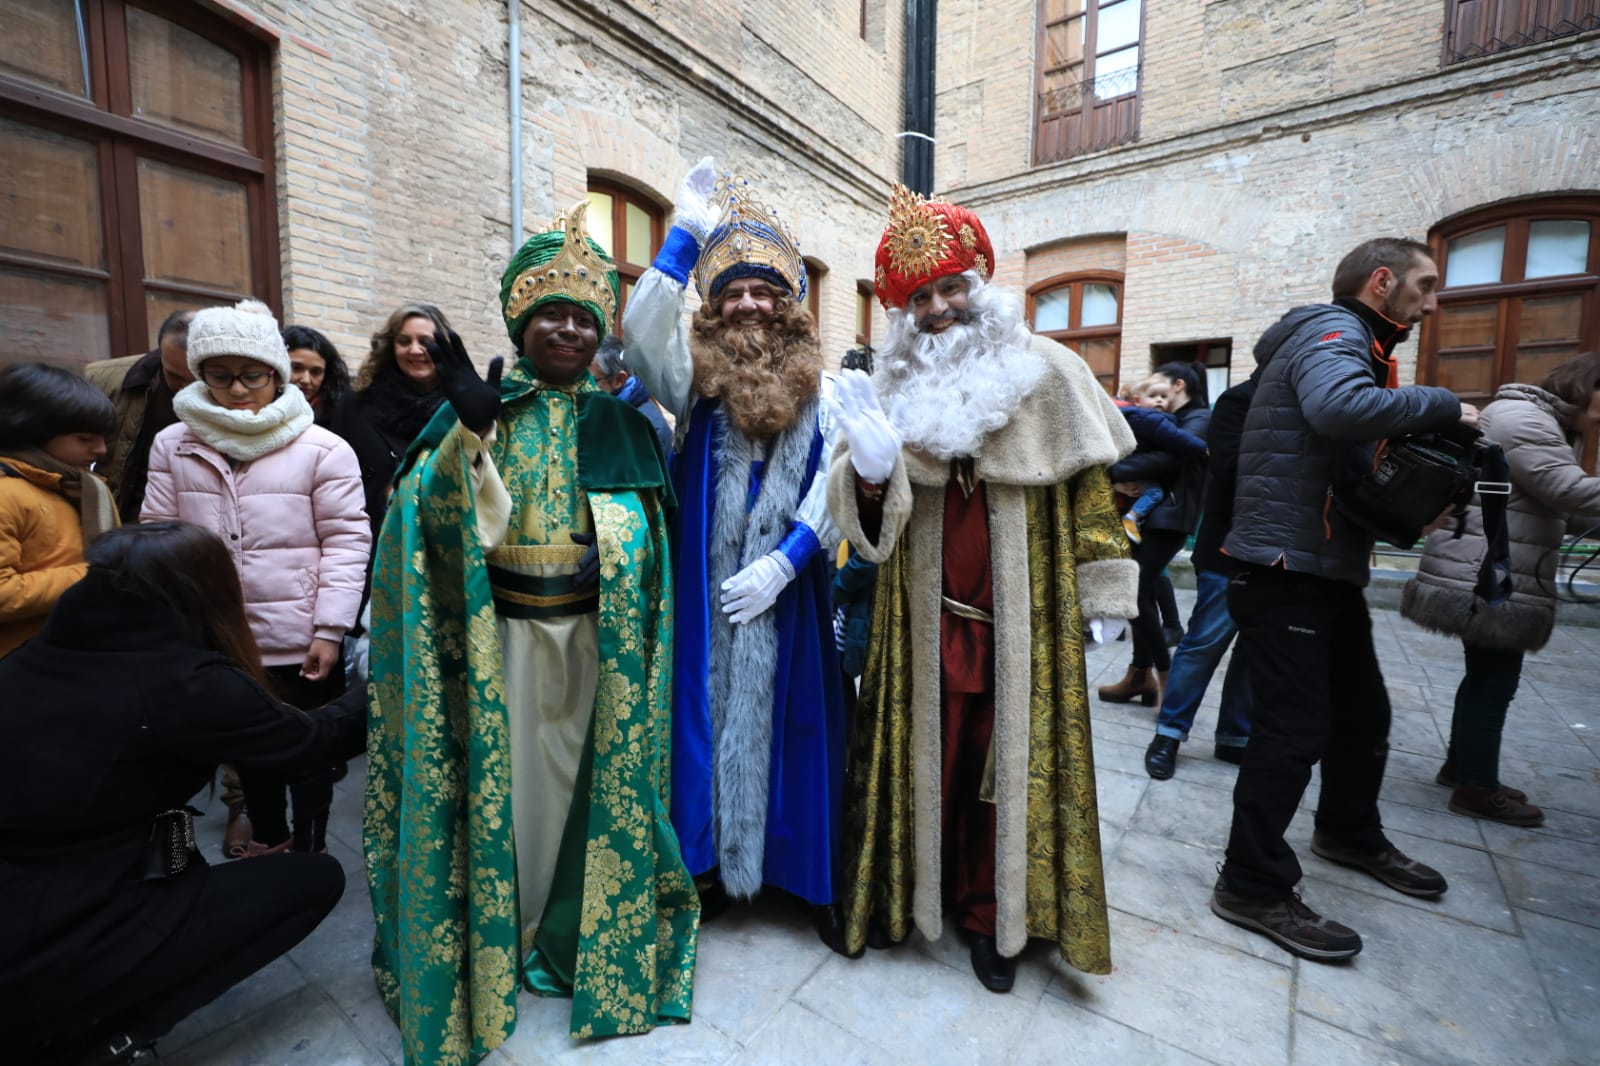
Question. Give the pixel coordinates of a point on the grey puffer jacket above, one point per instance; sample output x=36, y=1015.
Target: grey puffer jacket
x=1320, y=408
x=1547, y=486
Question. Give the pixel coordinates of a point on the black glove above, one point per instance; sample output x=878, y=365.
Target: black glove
x=588, y=575
x=476, y=401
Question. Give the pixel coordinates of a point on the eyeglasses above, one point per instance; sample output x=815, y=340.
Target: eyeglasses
x=218, y=378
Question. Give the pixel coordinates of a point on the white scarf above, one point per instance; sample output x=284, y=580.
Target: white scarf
x=243, y=435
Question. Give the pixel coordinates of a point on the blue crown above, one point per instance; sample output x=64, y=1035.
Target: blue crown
x=751, y=241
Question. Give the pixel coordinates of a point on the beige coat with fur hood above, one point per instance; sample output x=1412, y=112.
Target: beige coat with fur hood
x=1547, y=488
x=1065, y=426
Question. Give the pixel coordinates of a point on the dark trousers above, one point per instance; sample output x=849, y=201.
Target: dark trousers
x=1485, y=692
x=247, y=915
x=1153, y=554
x=312, y=792
x=967, y=827
x=1317, y=694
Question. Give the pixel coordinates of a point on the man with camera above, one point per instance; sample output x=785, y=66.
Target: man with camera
x=1326, y=398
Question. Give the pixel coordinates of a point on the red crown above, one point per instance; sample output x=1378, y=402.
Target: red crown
x=927, y=239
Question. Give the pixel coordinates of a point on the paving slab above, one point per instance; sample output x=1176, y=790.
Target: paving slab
x=1504, y=969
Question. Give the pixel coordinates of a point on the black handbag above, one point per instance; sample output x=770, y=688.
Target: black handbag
x=1413, y=480
x=171, y=847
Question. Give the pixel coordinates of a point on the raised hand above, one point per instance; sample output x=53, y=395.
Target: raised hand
x=874, y=443
x=476, y=400
x=695, y=212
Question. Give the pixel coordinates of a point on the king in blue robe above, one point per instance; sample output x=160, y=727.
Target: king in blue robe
x=758, y=708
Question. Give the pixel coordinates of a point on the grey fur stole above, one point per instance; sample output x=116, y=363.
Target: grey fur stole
x=744, y=658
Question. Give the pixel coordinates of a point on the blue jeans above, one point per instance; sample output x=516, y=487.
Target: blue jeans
x=1147, y=502
x=1211, y=630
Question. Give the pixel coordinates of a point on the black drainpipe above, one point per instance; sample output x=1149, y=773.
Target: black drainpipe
x=917, y=139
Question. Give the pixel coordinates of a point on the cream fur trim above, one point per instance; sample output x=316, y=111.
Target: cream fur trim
x=842, y=506
x=1108, y=588
x=1013, y=712
x=243, y=435
x=927, y=741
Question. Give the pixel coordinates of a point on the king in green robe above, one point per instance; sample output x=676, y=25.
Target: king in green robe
x=517, y=831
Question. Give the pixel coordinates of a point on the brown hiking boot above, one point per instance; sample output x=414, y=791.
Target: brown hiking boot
x=1494, y=804
x=1388, y=864
x=1139, y=683
x=1447, y=777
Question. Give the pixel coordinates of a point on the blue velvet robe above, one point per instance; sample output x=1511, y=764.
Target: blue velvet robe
x=808, y=729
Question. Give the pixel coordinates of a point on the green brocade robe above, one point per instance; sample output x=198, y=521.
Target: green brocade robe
x=618, y=933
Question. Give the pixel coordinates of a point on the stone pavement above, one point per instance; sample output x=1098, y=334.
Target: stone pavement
x=1505, y=968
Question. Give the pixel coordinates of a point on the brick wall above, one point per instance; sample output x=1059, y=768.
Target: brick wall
x=1274, y=137
x=394, y=154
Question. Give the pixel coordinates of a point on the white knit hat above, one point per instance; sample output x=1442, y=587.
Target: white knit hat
x=246, y=329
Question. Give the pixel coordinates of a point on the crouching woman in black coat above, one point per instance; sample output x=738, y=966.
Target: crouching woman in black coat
x=145, y=677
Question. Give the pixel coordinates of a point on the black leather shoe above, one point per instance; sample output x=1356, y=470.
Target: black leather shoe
x=1161, y=757
x=1229, y=753
x=830, y=929
x=995, y=973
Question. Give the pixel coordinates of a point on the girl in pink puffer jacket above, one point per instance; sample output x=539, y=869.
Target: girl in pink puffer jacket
x=246, y=461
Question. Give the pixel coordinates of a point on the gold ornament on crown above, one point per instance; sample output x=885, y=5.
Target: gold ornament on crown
x=748, y=232
x=918, y=240
x=578, y=272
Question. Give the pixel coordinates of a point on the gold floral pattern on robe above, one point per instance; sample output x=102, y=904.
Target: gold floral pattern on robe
x=1067, y=524
x=438, y=841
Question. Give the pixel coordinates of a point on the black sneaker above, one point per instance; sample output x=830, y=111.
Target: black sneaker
x=1388, y=864
x=1288, y=922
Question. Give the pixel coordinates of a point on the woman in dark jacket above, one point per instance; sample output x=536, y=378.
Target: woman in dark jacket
x=319, y=371
x=112, y=926
x=1537, y=428
x=1163, y=531
x=397, y=392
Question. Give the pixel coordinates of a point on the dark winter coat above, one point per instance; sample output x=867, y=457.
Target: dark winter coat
x=855, y=585
x=634, y=392
x=1216, y=516
x=113, y=714
x=379, y=423
x=143, y=400
x=1182, y=476
x=1535, y=430
x=1318, y=411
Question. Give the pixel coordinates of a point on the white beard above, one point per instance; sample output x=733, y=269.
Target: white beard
x=945, y=392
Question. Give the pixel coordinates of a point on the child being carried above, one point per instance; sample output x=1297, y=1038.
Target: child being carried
x=1145, y=407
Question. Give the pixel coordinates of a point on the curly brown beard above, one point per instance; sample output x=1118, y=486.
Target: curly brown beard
x=764, y=376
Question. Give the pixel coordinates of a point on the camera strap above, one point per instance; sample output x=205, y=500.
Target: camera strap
x=1494, y=497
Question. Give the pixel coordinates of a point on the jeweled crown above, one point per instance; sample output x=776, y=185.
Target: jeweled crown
x=751, y=240
x=577, y=272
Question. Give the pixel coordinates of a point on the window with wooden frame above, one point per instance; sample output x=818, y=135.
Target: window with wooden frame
x=137, y=175
x=864, y=313
x=1086, y=84
x=1474, y=28
x=1519, y=295
x=1084, y=312
x=628, y=225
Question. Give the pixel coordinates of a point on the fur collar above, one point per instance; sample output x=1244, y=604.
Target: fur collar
x=243, y=435
x=1066, y=424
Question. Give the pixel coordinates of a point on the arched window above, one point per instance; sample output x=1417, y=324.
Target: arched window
x=1519, y=295
x=629, y=226
x=1084, y=312
x=138, y=175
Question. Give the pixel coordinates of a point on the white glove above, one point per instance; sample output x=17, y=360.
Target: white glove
x=874, y=443
x=755, y=588
x=695, y=212
x=1106, y=630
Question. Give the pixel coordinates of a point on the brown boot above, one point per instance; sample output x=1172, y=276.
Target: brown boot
x=1494, y=804
x=1447, y=777
x=1161, y=685
x=1139, y=683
